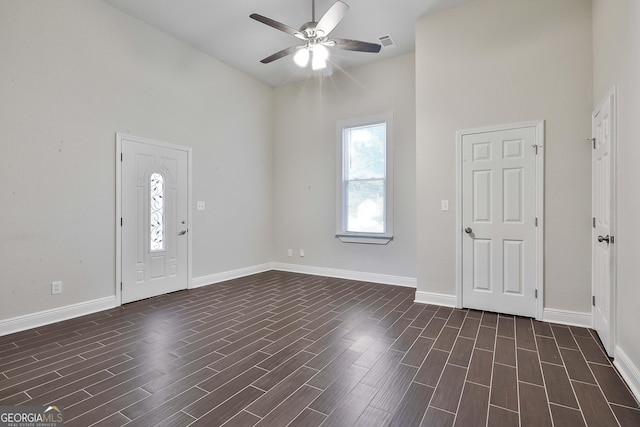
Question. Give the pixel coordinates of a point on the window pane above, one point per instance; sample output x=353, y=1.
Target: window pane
x=366, y=151
x=156, y=212
x=365, y=201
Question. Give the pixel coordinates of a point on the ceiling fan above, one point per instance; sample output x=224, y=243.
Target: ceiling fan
x=315, y=35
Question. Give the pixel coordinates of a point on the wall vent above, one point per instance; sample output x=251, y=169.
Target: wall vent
x=386, y=41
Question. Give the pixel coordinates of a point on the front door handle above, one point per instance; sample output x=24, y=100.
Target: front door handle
x=604, y=239
x=182, y=233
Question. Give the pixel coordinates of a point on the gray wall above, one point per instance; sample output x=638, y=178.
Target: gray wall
x=305, y=166
x=496, y=62
x=617, y=62
x=72, y=74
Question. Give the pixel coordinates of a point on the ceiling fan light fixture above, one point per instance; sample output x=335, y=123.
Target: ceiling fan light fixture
x=320, y=52
x=318, y=64
x=320, y=56
x=301, y=57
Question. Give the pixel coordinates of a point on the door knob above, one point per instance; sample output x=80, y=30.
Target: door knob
x=604, y=239
x=468, y=230
x=183, y=232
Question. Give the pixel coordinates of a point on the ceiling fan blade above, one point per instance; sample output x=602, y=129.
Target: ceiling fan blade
x=277, y=25
x=284, y=52
x=356, y=45
x=332, y=18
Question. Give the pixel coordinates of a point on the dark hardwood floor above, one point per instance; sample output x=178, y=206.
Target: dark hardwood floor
x=278, y=349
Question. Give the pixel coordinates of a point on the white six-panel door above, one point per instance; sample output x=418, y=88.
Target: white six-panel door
x=154, y=200
x=499, y=220
x=603, y=244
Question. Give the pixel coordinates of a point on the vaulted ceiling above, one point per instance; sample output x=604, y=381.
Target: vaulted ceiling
x=224, y=30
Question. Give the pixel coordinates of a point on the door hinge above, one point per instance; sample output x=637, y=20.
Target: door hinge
x=536, y=294
x=120, y=286
x=593, y=142
x=535, y=146
x=121, y=156
x=593, y=300
x=120, y=221
x=536, y=221
x=594, y=222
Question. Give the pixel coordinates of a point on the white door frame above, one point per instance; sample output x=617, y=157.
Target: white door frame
x=119, y=138
x=611, y=97
x=539, y=208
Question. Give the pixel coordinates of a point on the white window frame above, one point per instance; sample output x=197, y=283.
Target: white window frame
x=341, y=196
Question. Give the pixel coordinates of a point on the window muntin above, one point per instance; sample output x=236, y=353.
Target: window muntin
x=156, y=212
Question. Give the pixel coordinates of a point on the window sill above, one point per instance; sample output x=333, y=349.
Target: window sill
x=368, y=239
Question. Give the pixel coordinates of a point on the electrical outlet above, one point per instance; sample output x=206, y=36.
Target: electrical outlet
x=200, y=205
x=301, y=252
x=289, y=252
x=56, y=288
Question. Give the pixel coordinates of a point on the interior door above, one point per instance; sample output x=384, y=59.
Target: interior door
x=602, y=251
x=498, y=218
x=154, y=219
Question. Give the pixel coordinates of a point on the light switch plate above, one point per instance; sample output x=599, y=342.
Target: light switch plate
x=444, y=205
x=56, y=288
x=200, y=205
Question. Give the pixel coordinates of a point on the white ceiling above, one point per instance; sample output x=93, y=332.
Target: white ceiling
x=224, y=30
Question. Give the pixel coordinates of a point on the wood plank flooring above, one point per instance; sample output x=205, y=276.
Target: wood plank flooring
x=284, y=349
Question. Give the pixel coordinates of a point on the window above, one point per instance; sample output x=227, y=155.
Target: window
x=156, y=212
x=365, y=181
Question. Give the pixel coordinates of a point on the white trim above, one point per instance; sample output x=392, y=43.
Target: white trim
x=341, y=212
x=565, y=317
x=628, y=370
x=28, y=321
x=609, y=98
x=118, y=266
x=540, y=140
x=436, y=299
x=46, y=317
x=210, y=279
x=118, y=219
x=385, y=279
x=368, y=240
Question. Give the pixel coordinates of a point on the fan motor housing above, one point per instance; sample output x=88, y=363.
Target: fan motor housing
x=309, y=30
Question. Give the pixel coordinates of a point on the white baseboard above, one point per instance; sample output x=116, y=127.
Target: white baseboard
x=564, y=317
x=629, y=371
x=436, y=299
x=198, y=282
x=28, y=321
x=410, y=282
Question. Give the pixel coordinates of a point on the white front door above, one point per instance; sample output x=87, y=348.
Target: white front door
x=154, y=225
x=603, y=240
x=499, y=220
